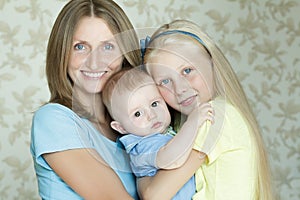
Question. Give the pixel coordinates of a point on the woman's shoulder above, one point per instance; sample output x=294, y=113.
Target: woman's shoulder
x=52, y=109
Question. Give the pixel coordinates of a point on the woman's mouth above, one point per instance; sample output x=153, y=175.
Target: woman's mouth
x=94, y=75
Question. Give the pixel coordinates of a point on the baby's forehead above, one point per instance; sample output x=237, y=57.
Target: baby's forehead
x=129, y=91
x=128, y=85
x=121, y=99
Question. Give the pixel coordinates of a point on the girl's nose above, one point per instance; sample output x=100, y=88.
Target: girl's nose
x=180, y=85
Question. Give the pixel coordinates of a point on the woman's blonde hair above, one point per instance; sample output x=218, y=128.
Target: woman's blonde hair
x=60, y=44
x=226, y=84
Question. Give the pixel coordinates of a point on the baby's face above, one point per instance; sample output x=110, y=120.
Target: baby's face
x=144, y=111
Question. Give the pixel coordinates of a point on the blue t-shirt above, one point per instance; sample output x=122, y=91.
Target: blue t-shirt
x=57, y=128
x=143, y=152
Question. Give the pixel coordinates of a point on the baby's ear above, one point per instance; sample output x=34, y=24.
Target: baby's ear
x=118, y=127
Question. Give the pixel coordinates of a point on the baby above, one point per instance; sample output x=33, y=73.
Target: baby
x=141, y=114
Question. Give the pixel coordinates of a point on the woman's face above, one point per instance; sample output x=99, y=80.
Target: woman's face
x=95, y=55
x=183, y=74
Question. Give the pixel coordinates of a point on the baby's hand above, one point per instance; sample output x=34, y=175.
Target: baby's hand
x=202, y=113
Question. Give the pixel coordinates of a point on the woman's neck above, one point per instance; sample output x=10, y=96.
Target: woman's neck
x=99, y=117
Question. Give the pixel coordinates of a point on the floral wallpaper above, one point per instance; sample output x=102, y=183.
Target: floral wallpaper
x=261, y=39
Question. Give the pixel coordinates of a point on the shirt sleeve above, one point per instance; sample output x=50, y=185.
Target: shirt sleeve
x=209, y=135
x=144, y=152
x=56, y=128
x=231, y=160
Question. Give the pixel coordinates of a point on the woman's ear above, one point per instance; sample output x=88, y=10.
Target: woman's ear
x=118, y=127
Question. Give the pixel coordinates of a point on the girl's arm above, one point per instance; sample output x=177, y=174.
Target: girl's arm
x=87, y=174
x=175, y=153
x=166, y=183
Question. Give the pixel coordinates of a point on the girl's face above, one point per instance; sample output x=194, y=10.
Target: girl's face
x=95, y=56
x=183, y=74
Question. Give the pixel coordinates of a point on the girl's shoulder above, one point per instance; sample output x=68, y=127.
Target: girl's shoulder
x=220, y=104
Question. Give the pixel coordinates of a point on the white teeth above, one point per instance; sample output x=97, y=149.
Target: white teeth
x=93, y=75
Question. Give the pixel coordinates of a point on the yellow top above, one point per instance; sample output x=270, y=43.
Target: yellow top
x=230, y=170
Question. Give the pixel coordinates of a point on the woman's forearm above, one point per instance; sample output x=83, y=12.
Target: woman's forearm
x=166, y=183
x=176, y=151
x=87, y=174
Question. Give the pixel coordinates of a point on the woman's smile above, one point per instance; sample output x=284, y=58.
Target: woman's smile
x=93, y=75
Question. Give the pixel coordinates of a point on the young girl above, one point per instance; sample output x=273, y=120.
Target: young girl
x=188, y=66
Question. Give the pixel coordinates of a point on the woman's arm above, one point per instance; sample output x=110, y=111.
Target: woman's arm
x=175, y=153
x=166, y=183
x=87, y=174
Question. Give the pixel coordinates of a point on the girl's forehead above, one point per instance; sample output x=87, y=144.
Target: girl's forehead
x=166, y=60
x=176, y=55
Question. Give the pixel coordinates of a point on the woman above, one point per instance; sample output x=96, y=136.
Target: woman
x=74, y=149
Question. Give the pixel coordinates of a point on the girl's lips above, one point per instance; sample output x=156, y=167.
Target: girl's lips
x=188, y=101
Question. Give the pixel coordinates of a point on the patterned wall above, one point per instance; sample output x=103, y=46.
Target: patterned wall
x=261, y=38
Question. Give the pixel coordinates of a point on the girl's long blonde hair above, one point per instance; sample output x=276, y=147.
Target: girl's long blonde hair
x=227, y=85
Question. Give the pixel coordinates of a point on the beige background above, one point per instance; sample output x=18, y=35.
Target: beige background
x=259, y=37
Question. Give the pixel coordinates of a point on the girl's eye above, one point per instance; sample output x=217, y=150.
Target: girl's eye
x=79, y=46
x=154, y=104
x=187, y=71
x=137, y=114
x=165, y=81
x=108, y=46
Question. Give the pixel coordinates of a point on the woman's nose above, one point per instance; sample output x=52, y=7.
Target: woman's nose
x=94, y=59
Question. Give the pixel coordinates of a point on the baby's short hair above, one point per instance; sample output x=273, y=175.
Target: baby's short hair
x=124, y=81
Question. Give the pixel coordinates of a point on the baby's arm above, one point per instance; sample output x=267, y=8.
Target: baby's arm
x=176, y=151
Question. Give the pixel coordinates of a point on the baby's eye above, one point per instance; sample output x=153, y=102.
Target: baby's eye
x=165, y=81
x=137, y=114
x=187, y=71
x=79, y=47
x=154, y=104
x=108, y=46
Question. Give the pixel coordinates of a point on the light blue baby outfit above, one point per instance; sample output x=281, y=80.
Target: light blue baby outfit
x=143, y=152
x=57, y=128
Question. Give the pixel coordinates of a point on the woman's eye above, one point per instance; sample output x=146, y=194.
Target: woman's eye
x=154, y=104
x=187, y=71
x=137, y=114
x=108, y=46
x=79, y=47
x=165, y=81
